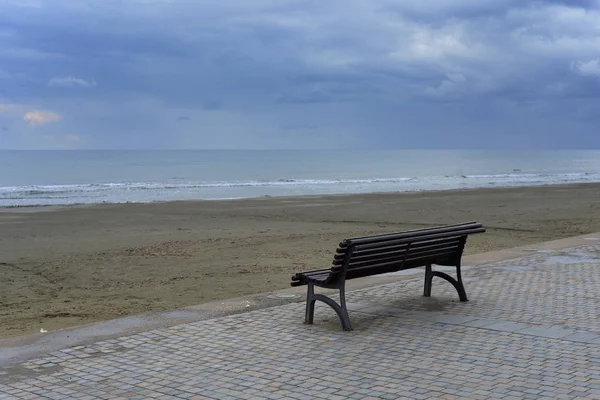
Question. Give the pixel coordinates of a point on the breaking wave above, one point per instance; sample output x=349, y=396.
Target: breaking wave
x=176, y=189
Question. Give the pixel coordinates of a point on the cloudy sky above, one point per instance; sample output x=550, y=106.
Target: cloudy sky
x=299, y=74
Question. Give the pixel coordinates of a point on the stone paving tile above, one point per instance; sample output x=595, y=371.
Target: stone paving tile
x=551, y=332
x=507, y=326
x=505, y=343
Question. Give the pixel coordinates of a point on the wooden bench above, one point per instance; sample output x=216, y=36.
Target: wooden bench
x=380, y=254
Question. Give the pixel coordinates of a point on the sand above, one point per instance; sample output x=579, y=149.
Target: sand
x=66, y=266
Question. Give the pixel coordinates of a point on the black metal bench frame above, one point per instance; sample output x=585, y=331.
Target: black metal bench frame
x=443, y=245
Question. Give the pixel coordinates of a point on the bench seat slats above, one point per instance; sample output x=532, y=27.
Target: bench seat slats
x=439, y=259
x=383, y=266
x=399, y=266
x=299, y=275
x=388, y=268
x=312, y=272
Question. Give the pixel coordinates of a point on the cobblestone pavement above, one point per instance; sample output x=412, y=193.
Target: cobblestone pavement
x=530, y=330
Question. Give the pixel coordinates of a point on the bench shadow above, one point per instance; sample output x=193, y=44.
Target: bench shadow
x=365, y=316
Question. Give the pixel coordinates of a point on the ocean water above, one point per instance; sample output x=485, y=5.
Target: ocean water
x=30, y=178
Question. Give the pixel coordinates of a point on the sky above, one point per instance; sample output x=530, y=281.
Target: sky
x=299, y=74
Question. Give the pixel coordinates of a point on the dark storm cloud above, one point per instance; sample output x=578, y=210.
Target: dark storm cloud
x=458, y=73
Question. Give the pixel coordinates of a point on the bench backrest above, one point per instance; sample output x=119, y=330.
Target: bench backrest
x=372, y=255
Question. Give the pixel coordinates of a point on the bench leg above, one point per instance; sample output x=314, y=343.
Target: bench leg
x=340, y=310
x=457, y=283
x=343, y=313
x=460, y=288
x=310, y=304
x=428, y=281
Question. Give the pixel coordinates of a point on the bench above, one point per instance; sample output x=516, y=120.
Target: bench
x=373, y=255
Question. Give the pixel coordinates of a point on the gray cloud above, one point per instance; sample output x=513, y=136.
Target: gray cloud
x=70, y=82
x=589, y=68
x=381, y=73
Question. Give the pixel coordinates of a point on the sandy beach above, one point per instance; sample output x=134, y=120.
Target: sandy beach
x=66, y=266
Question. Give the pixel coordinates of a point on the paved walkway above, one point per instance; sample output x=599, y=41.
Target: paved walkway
x=530, y=331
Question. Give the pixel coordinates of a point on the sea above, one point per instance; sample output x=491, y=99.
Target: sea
x=37, y=178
